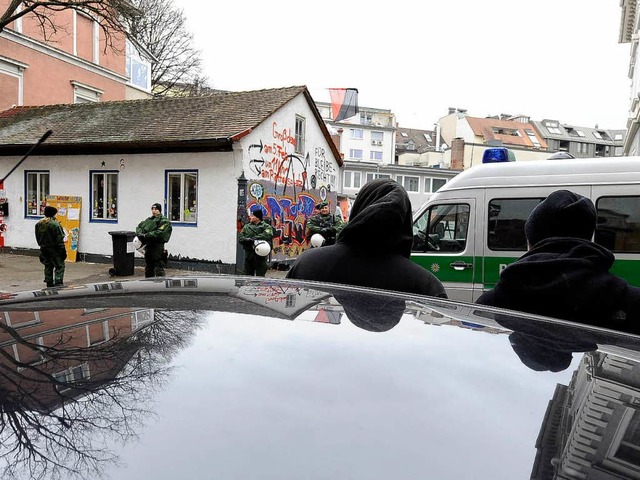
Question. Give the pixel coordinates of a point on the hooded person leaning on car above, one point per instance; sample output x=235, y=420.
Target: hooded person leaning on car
x=564, y=274
x=374, y=247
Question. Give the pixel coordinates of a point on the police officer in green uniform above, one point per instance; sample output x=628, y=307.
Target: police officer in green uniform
x=325, y=224
x=256, y=229
x=50, y=238
x=153, y=233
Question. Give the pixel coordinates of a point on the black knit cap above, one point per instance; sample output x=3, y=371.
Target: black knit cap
x=561, y=214
x=257, y=213
x=50, y=211
x=157, y=206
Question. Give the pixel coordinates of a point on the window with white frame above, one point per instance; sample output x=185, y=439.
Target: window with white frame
x=410, y=183
x=357, y=133
x=373, y=176
x=582, y=147
x=377, y=156
x=138, y=69
x=438, y=183
x=85, y=93
x=104, y=195
x=532, y=137
x=377, y=138
x=355, y=154
x=182, y=196
x=300, y=134
x=351, y=179
x=37, y=189
x=13, y=89
x=71, y=375
x=552, y=127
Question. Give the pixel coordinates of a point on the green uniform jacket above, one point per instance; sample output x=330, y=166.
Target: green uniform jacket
x=49, y=233
x=251, y=232
x=155, y=229
x=319, y=222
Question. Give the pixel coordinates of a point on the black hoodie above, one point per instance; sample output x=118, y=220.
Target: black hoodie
x=373, y=249
x=568, y=278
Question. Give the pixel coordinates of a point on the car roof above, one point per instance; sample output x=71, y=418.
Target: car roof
x=241, y=377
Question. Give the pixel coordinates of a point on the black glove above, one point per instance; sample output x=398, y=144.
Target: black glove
x=324, y=231
x=331, y=231
x=141, y=236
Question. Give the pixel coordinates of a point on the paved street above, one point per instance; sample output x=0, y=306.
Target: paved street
x=24, y=272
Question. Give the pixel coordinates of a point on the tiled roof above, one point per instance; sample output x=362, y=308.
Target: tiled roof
x=174, y=122
x=420, y=142
x=586, y=135
x=486, y=128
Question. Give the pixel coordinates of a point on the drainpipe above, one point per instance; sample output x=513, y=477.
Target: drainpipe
x=241, y=220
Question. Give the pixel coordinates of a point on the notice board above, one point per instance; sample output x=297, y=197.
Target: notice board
x=69, y=217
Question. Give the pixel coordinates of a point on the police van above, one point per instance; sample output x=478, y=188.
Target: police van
x=473, y=227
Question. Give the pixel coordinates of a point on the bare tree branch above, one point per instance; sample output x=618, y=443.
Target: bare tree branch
x=162, y=30
x=52, y=427
x=112, y=15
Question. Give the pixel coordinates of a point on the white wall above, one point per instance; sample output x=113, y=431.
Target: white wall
x=305, y=178
x=141, y=182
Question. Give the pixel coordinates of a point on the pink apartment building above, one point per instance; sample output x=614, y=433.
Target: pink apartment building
x=70, y=65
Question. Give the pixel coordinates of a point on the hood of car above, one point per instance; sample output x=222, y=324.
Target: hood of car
x=232, y=377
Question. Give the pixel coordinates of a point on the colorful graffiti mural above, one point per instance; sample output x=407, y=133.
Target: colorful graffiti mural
x=287, y=184
x=287, y=214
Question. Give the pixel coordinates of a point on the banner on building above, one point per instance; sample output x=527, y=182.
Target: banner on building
x=69, y=217
x=344, y=103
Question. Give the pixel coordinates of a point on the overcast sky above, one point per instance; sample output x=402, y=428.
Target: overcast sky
x=555, y=59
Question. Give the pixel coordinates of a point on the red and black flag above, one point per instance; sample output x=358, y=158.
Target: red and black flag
x=344, y=103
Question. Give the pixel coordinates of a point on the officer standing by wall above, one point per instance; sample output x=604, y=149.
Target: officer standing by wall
x=255, y=230
x=325, y=224
x=153, y=233
x=50, y=238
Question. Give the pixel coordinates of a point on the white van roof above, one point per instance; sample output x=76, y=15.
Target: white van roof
x=583, y=171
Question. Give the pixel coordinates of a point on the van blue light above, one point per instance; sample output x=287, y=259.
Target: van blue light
x=498, y=155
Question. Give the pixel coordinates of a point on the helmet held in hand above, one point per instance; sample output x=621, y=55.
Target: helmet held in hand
x=262, y=248
x=317, y=240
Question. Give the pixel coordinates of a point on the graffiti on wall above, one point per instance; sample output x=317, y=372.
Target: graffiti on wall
x=276, y=159
x=288, y=215
x=287, y=184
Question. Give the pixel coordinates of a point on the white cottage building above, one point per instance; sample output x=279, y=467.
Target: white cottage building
x=207, y=160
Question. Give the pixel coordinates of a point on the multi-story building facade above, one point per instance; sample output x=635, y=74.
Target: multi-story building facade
x=367, y=142
x=74, y=62
x=419, y=147
x=630, y=33
x=470, y=136
x=581, y=142
x=528, y=139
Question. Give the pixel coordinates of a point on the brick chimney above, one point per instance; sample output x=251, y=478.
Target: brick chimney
x=337, y=138
x=457, y=154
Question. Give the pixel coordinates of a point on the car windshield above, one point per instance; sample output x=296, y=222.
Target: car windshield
x=230, y=377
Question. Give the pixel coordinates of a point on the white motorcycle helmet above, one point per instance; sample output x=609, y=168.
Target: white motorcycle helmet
x=137, y=244
x=262, y=248
x=317, y=240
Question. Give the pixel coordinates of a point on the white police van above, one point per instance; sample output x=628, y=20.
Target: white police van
x=473, y=227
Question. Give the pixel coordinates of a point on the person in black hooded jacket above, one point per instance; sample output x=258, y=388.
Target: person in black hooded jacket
x=373, y=249
x=564, y=274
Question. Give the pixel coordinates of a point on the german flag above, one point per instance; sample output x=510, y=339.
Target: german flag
x=344, y=103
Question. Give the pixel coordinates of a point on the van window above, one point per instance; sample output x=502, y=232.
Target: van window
x=442, y=228
x=506, y=222
x=618, y=227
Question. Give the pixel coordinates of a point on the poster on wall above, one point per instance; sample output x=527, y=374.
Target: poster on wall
x=69, y=217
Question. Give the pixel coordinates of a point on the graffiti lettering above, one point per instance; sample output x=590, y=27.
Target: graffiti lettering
x=284, y=136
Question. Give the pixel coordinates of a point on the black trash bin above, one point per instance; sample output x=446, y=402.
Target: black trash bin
x=123, y=253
